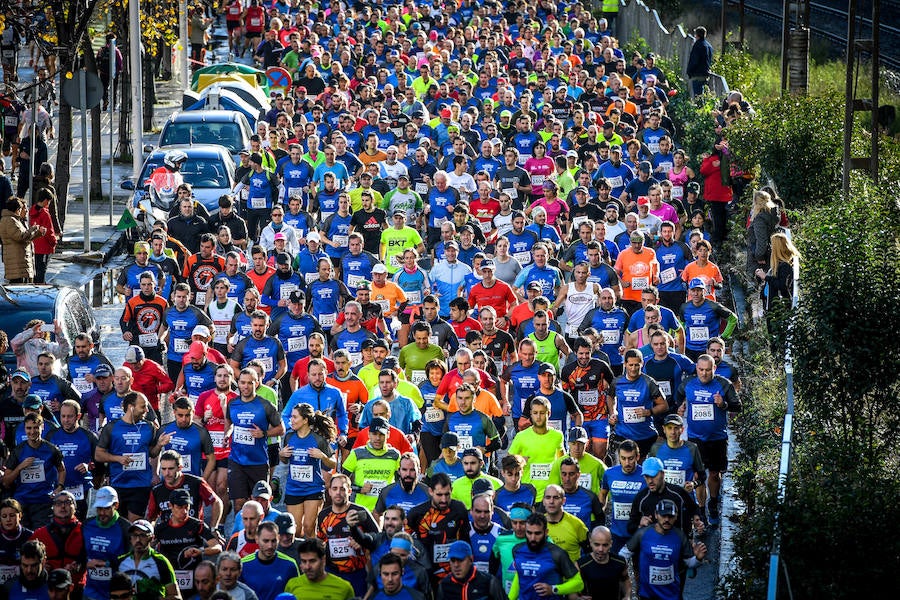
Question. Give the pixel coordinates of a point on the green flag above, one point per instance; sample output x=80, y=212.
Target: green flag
x=126, y=222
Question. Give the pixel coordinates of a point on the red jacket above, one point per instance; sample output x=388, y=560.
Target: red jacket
x=151, y=380
x=64, y=550
x=713, y=190
x=46, y=244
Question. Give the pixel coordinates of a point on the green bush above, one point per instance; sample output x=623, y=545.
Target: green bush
x=795, y=141
x=740, y=71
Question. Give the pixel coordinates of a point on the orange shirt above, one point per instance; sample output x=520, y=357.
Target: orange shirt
x=709, y=273
x=354, y=392
x=485, y=402
x=388, y=297
x=640, y=271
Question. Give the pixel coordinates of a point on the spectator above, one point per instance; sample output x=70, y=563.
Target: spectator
x=45, y=245
x=764, y=218
x=17, y=238
x=700, y=61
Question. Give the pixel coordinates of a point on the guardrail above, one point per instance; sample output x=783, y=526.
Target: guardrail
x=787, y=434
x=638, y=17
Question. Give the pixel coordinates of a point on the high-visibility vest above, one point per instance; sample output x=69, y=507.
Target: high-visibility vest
x=610, y=6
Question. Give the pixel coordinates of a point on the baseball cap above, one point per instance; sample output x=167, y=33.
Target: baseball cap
x=297, y=296
x=496, y=141
x=613, y=206
x=364, y=285
x=244, y=152
x=313, y=236
x=696, y=282
x=32, y=401
x=300, y=89
x=519, y=513
x=262, y=489
x=674, y=419
x=379, y=425
x=581, y=189
x=390, y=362
x=449, y=440
x=577, y=434
x=403, y=176
x=643, y=201
x=280, y=236
x=571, y=154
x=459, y=550
x=256, y=158
x=59, y=579
x=546, y=368
x=285, y=523
x=180, y=497
x=608, y=125
x=451, y=244
x=106, y=497
x=476, y=452
x=142, y=525
x=198, y=349
x=505, y=113
x=445, y=114
x=488, y=264
x=693, y=186
x=379, y=268
x=141, y=247
x=399, y=211
x=666, y=507
x=481, y=486
x=201, y=330
x=134, y=354
x=103, y=370
x=653, y=466
x=534, y=285
x=645, y=166
x=21, y=374
x=418, y=114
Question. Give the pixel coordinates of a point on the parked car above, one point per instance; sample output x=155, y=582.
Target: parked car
x=19, y=304
x=227, y=128
x=209, y=169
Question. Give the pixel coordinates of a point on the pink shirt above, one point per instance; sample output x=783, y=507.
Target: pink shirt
x=666, y=212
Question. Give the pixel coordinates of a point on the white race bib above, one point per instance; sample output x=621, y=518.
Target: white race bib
x=186, y=458
x=585, y=480
x=267, y=362
x=665, y=387
x=640, y=283
x=512, y=192
x=34, y=473
x=614, y=182
x=556, y=424
x=255, y=22
x=296, y=344
x=441, y=553
x=377, y=486
x=341, y=240
x=138, y=461
x=668, y=275
x=181, y=345
x=340, y=548
x=148, y=340
x=200, y=297
x=588, y=397
x=632, y=414
x=698, y=334
x=310, y=277
x=414, y=297
x=677, y=192
x=421, y=188
x=385, y=305
x=302, y=473
x=523, y=257
x=327, y=320
x=95, y=573
x=621, y=511
x=434, y=415
x=184, y=579
x=77, y=491
x=83, y=386
x=286, y=289
x=610, y=336
x=221, y=332
x=257, y=203
x=540, y=471
x=661, y=575
x=243, y=435
x=675, y=477
x=218, y=438
x=417, y=377
x=353, y=281
x=702, y=412
x=465, y=442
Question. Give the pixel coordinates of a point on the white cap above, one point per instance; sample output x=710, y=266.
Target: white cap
x=379, y=268
x=313, y=236
x=202, y=330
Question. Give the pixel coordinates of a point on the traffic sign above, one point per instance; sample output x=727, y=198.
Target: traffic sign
x=279, y=78
x=71, y=90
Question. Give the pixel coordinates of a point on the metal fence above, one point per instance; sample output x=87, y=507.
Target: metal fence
x=637, y=17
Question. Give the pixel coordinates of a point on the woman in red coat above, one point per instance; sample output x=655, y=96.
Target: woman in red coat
x=45, y=245
x=717, y=189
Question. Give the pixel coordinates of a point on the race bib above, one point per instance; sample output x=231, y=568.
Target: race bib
x=310, y=277
x=186, y=458
x=302, y=473
x=243, y=435
x=702, y=412
x=218, y=438
x=340, y=548
x=610, y=336
x=7, y=572
x=621, y=511
x=698, y=334
x=294, y=191
x=675, y=477
x=98, y=573
x=538, y=179
x=181, y=345
x=585, y=480
x=296, y=344
x=185, y=579
x=523, y=257
x=665, y=387
x=421, y=188
x=632, y=414
x=34, y=473
x=149, y=340
x=441, y=553
x=577, y=221
x=257, y=203
x=512, y=192
x=662, y=575
x=137, y=462
x=485, y=226
x=353, y=281
x=588, y=397
x=640, y=283
x=267, y=363
x=540, y=471
x=414, y=297
x=433, y=339
x=200, y=298
x=12, y=121
x=677, y=192
x=436, y=415
x=668, y=275
x=286, y=290
x=465, y=442
x=355, y=358
x=440, y=221
x=341, y=240
x=327, y=320
x=385, y=305
x=77, y=491
x=377, y=486
x=255, y=22
x=417, y=377
x=614, y=182
x=83, y=386
x=556, y=424
x=221, y=333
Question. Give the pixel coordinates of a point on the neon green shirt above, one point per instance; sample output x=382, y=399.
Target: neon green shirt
x=540, y=452
x=462, y=488
x=394, y=242
x=331, y=587
x=592, y=470
x=367, y=465
x=413, y=360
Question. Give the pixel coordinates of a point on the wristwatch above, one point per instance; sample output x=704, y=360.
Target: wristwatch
x=554, y=589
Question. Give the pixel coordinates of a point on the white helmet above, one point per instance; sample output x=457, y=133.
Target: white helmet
x=174, y=159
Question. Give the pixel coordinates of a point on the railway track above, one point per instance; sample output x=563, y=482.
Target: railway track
x=830, y=22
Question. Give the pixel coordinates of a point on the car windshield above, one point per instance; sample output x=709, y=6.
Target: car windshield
x=201, y=173
x=225, y=134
